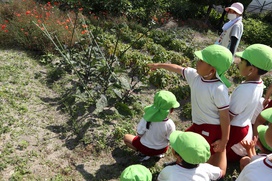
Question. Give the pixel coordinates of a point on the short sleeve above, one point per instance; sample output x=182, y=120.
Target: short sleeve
x=237, y=100
x=141, y=127
x=221, y=97
x=189, y=74
x=170, y=128
x=236, y=31
x=214, y=172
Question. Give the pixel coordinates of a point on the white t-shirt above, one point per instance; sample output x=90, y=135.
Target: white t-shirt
x=157, y=136
x=244, y=101
x=260, y=169
x=243, y=104
x=257, y=111
x=207, y=97
x=204, y=172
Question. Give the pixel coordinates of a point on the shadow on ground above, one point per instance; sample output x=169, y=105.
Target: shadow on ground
x=123, y=158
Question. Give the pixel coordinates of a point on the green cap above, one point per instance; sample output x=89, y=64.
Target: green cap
x=261, y=133
x=258, y=55
x=163, y=102
x=136, y=172
x=192, y=147
x=219, y=57
x=267, y=114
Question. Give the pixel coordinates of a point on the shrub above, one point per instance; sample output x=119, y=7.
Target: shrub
x=253, y=27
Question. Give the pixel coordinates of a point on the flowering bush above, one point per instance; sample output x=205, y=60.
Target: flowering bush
x=17, y=27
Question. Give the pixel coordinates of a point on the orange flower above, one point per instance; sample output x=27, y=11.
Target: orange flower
x=83, y=32
x=28, y=12
x=66, y=27
x=18, y=15
x=56, y=3
x=84, y=26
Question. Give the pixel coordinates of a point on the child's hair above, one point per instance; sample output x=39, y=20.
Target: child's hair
x=147, y=125
x=186, y=164
x=260, y=71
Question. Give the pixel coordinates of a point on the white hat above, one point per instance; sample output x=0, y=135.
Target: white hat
x=237, y=7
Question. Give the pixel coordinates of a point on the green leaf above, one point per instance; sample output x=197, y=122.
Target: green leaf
x=125, y=83
x=101, y=104
x=118, y=93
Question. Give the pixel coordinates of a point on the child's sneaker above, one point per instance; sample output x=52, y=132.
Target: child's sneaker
x=144, y=158
x=160, y=156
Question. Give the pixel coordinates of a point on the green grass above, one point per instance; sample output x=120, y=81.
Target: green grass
x=39, y=141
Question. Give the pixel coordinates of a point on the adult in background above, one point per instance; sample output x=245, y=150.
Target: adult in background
x=232, y=30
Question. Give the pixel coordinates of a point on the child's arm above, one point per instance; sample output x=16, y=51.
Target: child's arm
x=267, y=96
x=220, y=145
x=167, y=66
x=250, y=146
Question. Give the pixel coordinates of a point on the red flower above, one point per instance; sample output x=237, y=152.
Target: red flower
x=4, y=27
x=28, y=12
x=80, y=9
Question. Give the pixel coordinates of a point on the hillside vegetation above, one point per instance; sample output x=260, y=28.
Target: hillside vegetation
x=73, y=83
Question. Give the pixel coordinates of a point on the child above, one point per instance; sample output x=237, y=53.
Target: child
x=136, y=173
x=264, y=103
x=209, y=97
x=256, y=60
x=250, y=147
x=260, y=169
x=232, y=30
x=191, y=151
x=267, y=103
x=154, y=128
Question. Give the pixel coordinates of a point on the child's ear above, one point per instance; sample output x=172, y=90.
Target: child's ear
x=213, y=70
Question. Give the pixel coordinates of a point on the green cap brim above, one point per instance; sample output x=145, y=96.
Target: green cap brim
x=267, y=114
x=261, y=133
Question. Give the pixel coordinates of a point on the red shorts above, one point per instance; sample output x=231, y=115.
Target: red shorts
x=209, y=131
x=145, y=150
x=237, y=134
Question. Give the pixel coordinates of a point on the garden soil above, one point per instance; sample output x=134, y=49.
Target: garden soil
x=37, y=144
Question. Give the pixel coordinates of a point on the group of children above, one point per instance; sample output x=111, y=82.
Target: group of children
x=222, y=129
x=226, y=128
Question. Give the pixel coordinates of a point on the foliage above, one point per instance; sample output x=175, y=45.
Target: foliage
x=187, y=110
x=253, y=27
x=17, y=27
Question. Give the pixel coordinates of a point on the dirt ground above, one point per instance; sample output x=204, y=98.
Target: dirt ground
x=37, y=144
